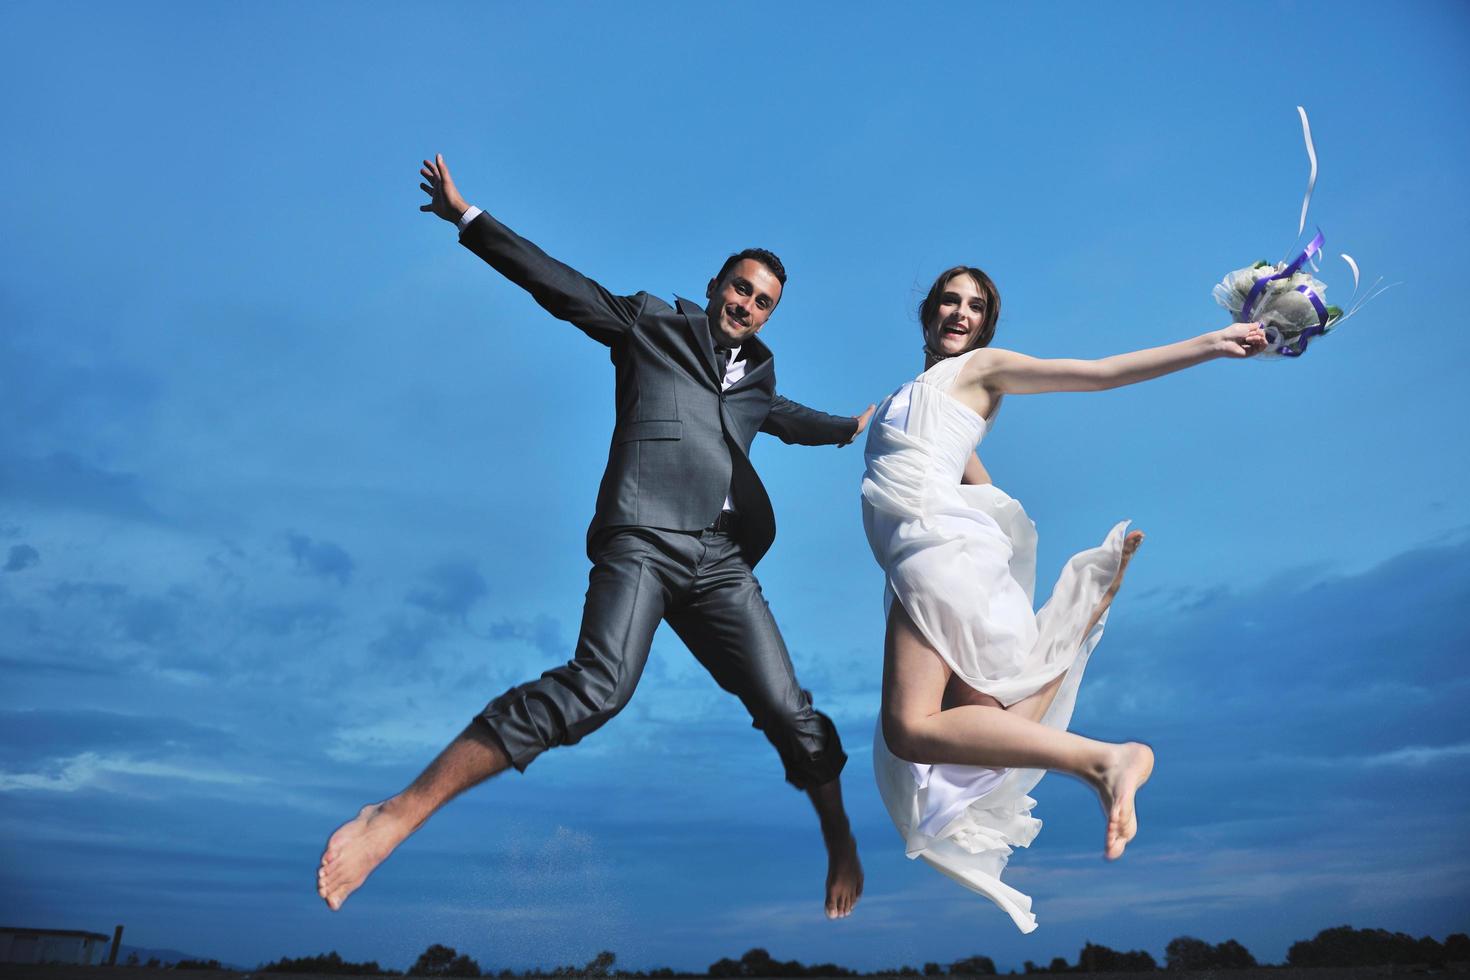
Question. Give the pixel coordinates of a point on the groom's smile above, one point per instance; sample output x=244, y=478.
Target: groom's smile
x=741, y=302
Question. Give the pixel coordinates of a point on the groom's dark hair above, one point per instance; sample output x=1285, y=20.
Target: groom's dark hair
x=765, y=257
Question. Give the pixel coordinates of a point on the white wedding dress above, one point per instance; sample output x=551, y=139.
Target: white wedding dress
x=962, y=561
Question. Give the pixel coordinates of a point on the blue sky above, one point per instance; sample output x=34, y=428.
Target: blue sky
x=291, y=484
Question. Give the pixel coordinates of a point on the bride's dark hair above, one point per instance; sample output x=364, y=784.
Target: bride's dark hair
x=930, y=307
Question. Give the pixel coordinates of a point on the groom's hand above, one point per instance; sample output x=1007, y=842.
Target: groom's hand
x=444, y=199
x=862, y=421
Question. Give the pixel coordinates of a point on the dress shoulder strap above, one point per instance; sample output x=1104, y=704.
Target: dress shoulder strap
x=942, y=375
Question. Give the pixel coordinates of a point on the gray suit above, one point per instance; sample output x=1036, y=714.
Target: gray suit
x=679, y=445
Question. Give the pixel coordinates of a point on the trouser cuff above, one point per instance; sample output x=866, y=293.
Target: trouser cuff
x=817, y=768
x=507, y=719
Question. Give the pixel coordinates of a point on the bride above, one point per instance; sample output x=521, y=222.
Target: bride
x=977, y=688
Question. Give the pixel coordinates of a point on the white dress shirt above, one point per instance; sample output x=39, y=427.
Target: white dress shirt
x=734, y=371
x=470, y=214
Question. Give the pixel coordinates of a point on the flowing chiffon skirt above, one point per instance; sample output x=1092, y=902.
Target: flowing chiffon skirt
x=962, y=562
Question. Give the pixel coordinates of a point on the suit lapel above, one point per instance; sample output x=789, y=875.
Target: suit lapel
x=698, y=325
x=757, y=355
x=757, y=358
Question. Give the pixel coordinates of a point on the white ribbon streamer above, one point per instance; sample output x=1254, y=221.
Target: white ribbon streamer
x=1312, y=179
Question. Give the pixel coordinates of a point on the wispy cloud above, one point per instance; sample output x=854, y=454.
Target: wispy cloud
x=66, y=480
x=544, y=632
x=450, y=589
x=20, y=557
x=1234, y=882
x=321, y=558
x=92, y=770
x=1409, y=756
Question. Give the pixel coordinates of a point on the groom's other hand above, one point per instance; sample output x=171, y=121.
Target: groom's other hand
x=862, y=421
x=444, y=199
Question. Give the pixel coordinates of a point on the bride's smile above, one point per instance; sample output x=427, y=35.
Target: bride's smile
x=958, y=317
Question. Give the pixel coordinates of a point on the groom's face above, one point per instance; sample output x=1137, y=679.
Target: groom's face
x=741, y=302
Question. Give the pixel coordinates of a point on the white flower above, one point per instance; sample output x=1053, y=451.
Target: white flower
x=1280, y=306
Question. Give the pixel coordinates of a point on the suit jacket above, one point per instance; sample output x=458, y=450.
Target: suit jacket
x=679, y=443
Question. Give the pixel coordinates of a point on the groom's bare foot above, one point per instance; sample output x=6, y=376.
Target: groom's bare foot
x=844, y=877
x=1129, y=769
x=356, y=848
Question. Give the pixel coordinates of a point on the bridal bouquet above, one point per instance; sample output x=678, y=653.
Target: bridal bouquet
x=1286, y=299
x=1287, y=302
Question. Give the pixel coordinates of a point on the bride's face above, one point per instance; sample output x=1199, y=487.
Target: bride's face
x=957, y=320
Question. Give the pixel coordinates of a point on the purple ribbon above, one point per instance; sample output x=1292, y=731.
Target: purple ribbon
x=1298, y=346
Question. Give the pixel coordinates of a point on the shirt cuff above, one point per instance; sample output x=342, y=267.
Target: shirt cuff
x=470, y=214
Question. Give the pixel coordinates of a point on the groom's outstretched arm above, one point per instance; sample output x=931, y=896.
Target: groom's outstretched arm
x=794, y=423
x=561, y=290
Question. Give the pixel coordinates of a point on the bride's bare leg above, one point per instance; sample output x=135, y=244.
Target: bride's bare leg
x=1034, y=706
x=916, y=730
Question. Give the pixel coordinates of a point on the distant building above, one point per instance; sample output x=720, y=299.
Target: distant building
x=52, y=946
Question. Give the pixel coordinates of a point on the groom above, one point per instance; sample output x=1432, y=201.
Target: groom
x=681, y=521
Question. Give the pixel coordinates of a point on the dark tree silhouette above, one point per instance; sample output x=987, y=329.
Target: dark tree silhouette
x=1346, y=946
x=1189, y=953
x=443, y=961
x=327, y=963
x=1100, y=959
x=757, y=963
x=1342, y=946
x=973, y=966
x=1231, y=955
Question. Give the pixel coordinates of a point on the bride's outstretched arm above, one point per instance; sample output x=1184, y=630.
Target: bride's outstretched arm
x=1003, y=372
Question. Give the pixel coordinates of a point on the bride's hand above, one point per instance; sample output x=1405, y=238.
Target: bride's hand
x=1241, y=340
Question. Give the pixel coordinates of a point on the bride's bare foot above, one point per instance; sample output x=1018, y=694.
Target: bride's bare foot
x=1130, y=544
x=1131, y=541
x=844, y=877
x=1125, y=774
x=355, y=849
